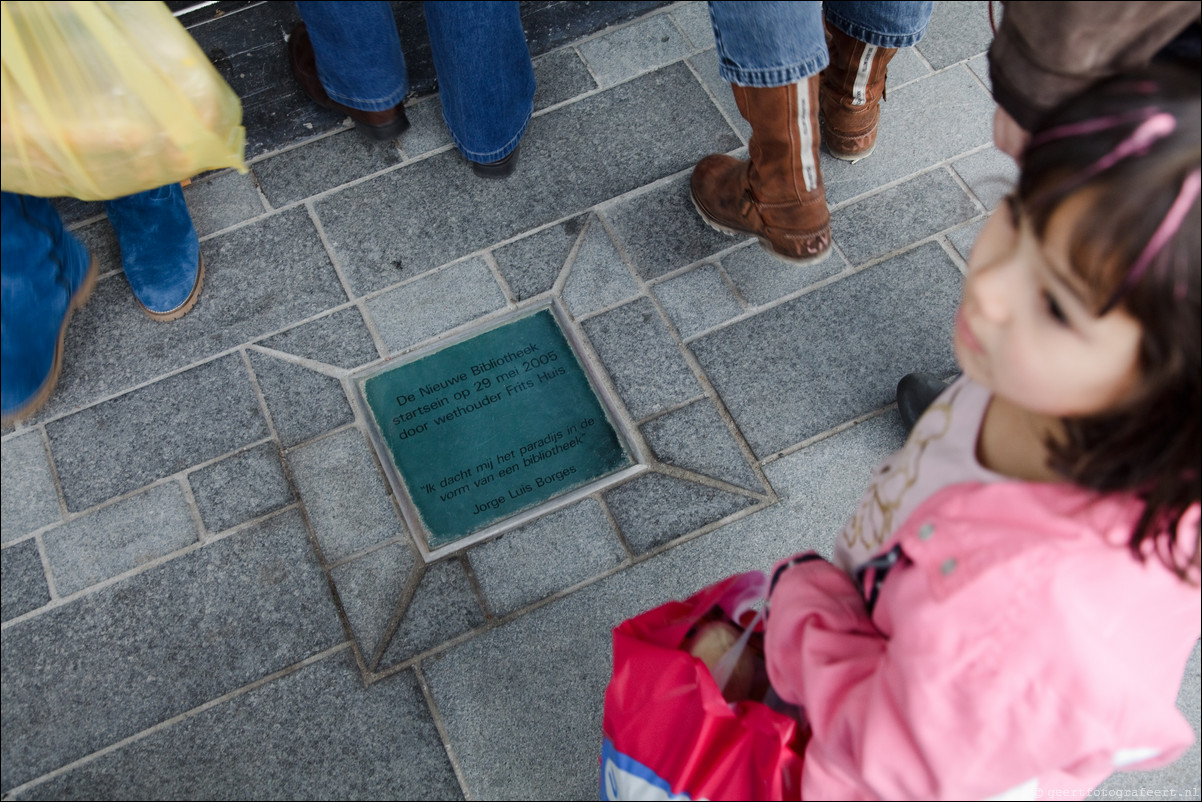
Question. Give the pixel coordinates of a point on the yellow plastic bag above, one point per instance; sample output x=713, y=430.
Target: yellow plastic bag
x=105, y=99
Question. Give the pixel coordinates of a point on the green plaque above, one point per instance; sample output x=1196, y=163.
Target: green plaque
x=491, y=426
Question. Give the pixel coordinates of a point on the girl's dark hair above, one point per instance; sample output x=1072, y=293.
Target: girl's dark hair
x=1151, y=445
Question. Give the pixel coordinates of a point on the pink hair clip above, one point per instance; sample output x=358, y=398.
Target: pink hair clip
x=1092, y=126
x=1164, y=232
x=1155, y=126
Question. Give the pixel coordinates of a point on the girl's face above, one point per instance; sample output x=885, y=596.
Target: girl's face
x=1026, y=329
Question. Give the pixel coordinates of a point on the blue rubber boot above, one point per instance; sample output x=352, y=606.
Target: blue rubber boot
x=159, y=250
x=45, y=275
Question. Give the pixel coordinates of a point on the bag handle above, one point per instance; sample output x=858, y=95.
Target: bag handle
x=726, y=664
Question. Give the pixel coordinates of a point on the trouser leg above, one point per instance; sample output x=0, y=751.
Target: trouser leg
x=45, y=274
x=485, y=78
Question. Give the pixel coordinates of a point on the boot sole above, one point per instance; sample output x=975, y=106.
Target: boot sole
x=765, y=243
x=44, y=392
x=188, y=303
x=850, y=157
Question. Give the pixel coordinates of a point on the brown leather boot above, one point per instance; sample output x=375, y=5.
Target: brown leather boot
x=381, y=125
x=852, y=88
x=778, y=195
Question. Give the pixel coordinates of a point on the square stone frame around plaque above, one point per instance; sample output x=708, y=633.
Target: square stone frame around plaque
x=623, y=428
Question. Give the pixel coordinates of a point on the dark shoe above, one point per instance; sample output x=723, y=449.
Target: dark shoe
x=381, y=125
x=47, y=275
x=778, y=195
x=852, y=88
x=502, y=168
x=915, y=392
x=160, y=251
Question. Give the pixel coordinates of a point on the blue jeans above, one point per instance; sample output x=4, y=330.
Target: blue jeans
x=779, y=43
x=485, y=78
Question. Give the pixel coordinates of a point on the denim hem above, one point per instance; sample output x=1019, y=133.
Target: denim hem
x=858, y=31
x=763, y=77
x=362, y=104
x=493, y=155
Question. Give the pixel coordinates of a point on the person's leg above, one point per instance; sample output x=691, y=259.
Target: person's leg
x=347, y=56
x=45, y=274
x=771, y=52
x=767, y=44
x=915, y=392
x=485, y=79
x=863, y=37
x=160, y=251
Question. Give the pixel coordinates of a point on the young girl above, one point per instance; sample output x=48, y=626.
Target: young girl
x=1013, y=603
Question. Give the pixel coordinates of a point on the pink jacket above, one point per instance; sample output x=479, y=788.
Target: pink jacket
x=1017, y=647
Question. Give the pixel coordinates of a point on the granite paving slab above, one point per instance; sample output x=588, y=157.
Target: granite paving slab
x=907, y=65
x=85, y=675
x=23, y=585
x=258, y=279
x=340, y=339
x=643, y=361
x=119, y=537
x=434, y=303
x=348, y=503
x=29, y=500
x=406, y=235
x=958, y=30
x=301, y=648
x=693, y=19
x=762, y=278
x=323, y=164
x=555, y=552
x=157, y=430
x=551, y=23
x=302, y=403
x=101, y=241
x=964, y=236
x=654, y=508
x=634, y=50
x=698, y=300
x=560, y=76
x=444, y=607
x=900, y=215
x=427, y=131
x=598, y=275
x=240, y=487
x=785, y=375
x=74, y=210
x=531, y=264
x=695, y=438
x=661, y=231
x=282, y=741
x=370, y=589
x=705, y=64
x=980, y=68
x=222, y=200
x=989, y=174
x=919, y=128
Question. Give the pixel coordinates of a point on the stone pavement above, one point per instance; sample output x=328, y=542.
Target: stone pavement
x=202, y=560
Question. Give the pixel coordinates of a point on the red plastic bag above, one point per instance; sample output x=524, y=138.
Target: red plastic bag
x=669, y=732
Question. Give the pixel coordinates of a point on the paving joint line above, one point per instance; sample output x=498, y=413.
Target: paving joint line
x=100, y=585
x=441, y=728
x=171, y=722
